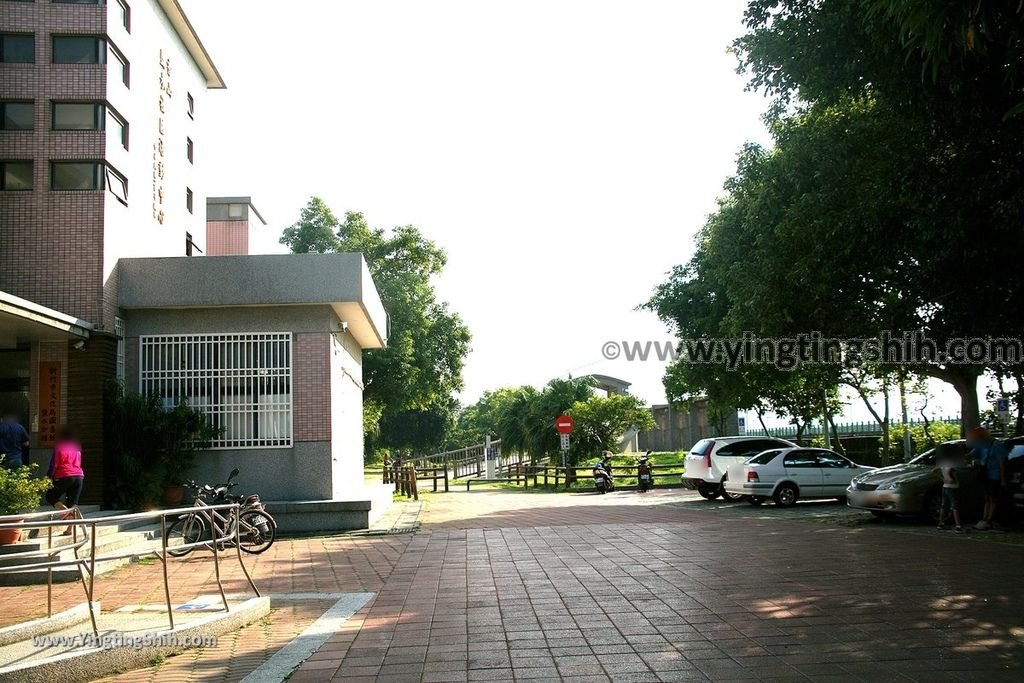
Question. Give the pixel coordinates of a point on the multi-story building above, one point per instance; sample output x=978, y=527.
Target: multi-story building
x=105, y=266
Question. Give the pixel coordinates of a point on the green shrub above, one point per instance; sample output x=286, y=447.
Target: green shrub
x=20, y=491
x=939, y=432
x=149, y=447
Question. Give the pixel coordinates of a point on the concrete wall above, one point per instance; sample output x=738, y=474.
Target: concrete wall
x=326, y=459
x=680, y=429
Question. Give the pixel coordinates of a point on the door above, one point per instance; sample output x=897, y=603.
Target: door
x=802, y=467
x=836, y=473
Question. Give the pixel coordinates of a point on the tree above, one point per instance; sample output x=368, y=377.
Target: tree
x=477, y=421
x=409, y=383
x=601, y=421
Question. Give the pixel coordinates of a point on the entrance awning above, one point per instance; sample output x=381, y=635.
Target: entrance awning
x=23, y=320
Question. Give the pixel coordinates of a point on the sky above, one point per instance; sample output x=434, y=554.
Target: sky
x=564, y=153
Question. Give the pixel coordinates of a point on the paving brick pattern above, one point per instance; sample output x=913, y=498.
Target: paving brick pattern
x=578, y=588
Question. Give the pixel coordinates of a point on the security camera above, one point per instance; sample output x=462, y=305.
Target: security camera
x=78, y=345
x=344, y=326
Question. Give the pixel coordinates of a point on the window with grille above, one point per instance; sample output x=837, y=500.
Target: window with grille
x=242, y=382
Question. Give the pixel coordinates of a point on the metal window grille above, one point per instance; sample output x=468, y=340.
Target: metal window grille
x=242, y=382
x=119, y=333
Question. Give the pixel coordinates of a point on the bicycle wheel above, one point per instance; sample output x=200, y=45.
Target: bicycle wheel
x=256, y=531
x=184, y=530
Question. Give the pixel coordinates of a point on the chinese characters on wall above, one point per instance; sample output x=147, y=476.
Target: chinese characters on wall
x=159, y=147
x=49, y=402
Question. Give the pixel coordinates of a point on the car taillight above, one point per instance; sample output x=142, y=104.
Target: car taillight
x=752, y=476
x=707, y=453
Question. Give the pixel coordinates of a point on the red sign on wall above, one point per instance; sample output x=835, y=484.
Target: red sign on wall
x=49, y=402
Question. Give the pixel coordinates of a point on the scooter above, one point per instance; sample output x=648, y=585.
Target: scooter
x=644, y=473
x=603, y=478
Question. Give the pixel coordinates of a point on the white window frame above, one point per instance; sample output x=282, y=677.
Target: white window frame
x=216, y=374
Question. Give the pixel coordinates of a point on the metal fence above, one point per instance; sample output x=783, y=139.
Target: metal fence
x=845, y=428
x=83, y=540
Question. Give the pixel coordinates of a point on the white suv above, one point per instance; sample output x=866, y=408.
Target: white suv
x=707, y=463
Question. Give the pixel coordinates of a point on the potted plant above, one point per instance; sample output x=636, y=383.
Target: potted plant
x=20, y=493
x=184, y=432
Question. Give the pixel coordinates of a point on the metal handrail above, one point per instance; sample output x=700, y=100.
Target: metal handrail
x=87, y=566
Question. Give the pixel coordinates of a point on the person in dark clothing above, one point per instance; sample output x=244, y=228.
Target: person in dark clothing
x=13, y=442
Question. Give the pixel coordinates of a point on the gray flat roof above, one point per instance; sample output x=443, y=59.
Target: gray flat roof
x=220, y=201
x=341, y=281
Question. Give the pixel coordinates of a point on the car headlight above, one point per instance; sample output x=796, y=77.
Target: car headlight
x=891, y=486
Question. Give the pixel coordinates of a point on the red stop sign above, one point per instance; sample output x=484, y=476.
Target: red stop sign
x=564, y=424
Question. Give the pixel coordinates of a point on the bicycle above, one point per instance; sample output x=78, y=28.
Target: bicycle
x=256, y=531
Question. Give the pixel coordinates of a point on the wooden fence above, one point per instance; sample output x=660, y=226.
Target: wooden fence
x=551, y=475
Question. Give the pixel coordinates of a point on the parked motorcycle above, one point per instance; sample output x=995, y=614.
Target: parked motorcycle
x=603, y=482
x=644, y=473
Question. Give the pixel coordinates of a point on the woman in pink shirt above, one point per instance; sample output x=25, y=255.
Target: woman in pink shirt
x=66, y=473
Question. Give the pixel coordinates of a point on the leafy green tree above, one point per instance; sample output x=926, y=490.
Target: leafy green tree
x=601, y=421
x=409, y=383
x=478, y=420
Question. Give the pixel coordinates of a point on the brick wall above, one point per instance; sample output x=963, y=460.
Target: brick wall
x=52, y=243
x=311, y=387
x=227, y=238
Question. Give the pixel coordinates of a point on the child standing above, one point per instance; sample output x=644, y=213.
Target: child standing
x=66, y=472
x=950, y=493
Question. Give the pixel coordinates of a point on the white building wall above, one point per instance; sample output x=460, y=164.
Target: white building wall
x=134, y=231
x=346, y=417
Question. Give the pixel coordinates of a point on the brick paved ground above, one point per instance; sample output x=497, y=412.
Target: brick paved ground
x=514, y=586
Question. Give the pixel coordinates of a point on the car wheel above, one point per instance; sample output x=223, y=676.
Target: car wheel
x=708, y=494
x=841, y=499
x=882, y=515
x=755, y=500
x=730, y=497
x=786, y=496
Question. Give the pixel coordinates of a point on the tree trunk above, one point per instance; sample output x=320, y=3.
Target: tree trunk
x=907, y=451
x=964, y=379
x=886, y=436
x=760, y=418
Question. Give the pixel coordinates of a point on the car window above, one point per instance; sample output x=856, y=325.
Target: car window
x=830, y=459
x=746, y=449
x=953, y=448
x=701, y=447
x=800, y=458
x=1017, y=451
x=765, y=457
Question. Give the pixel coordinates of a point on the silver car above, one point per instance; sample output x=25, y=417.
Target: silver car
x=913, y=488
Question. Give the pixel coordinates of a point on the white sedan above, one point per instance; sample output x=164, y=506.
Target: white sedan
x=788, y=474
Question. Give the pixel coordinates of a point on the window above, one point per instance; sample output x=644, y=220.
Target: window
x=234, y=210
x=832, y=460
x=15, y=175
x=79, y=50
x=188, y=199
x=77, y=116
x=119, y=61
x=17, y=48
x=76, y=175
x=765, y=457
x=125, y=15
x=242, y=382
x=801, y=458
x=119, y=333
x=117, y=185
x=188, y=244
x=117, y=127
x=16, y=116
x=190, y=150
x=190, y=105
